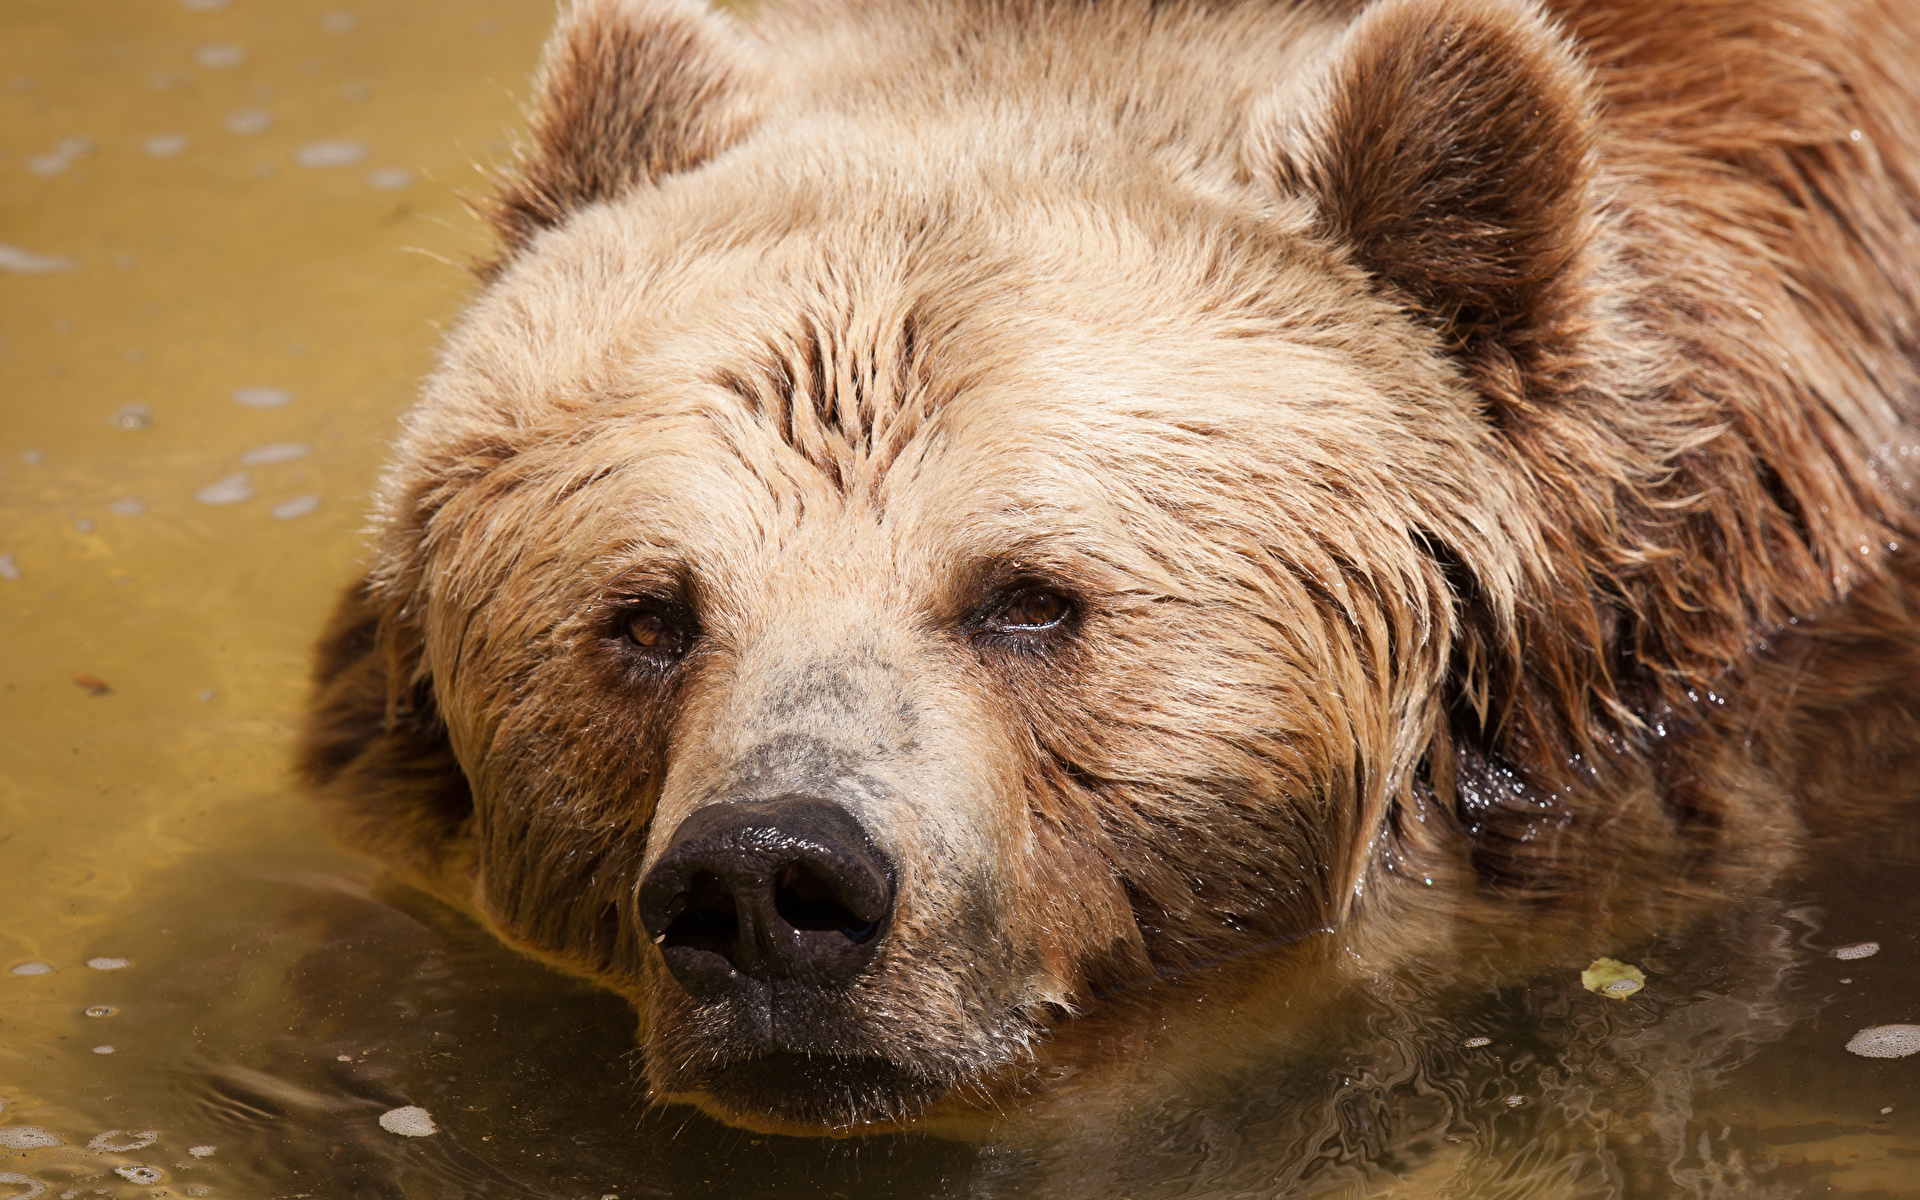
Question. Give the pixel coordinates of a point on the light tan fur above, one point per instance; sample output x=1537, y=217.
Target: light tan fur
x=1432, y=410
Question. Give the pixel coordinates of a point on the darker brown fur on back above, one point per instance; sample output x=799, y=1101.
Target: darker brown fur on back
x=1434, y=424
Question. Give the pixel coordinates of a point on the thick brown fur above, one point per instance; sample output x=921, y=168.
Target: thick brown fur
x=1434, y=413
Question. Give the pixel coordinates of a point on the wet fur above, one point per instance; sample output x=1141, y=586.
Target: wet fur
x=1435, y=411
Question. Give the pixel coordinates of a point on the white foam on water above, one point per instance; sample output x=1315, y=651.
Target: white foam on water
x=390, y=179
x=132, y=1141
x=274, y=452
x=104, y=963
x=9, y=571
x=26, y=262
x=336, y=152
x=33, y=968
x=297, y=507
x=27, y=1180
x=245, y=122
x=127, y=506
x=262, y=397
x=411, y=1121
x=1885, y=1041
x=1477, y=1041
x=165, y=145
x=1857, y=950
x=146, y=1175
x=29, y=1137
x=231, y=490
x=201, y=1151
x=103, y=1049
x=218, y=56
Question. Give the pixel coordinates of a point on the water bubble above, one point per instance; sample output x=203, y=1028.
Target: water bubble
x=273, y=452
x=218, y=56
x=340, y=22
x=1477, y=1041
x=390, y=179
x=127, y=506
x=164, y=145
x=336, y=152
x=201, y=1151
x=132, y=416
x=109, y=964
x=33, y=968
x=103, y=1049
x=411, y=1121
x=101, y=1010
x=26, y=262
x=262, y=397
x=294, y=509
x=145, y=1175
x=1857, y=950
x=1886, y=1041
x=231, y=490
x=134, y=1141
x=29, y=1181
x=247, y=121
x=28, y=1137
x=10, y=571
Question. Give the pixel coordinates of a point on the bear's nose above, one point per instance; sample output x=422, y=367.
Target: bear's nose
x=785, y=889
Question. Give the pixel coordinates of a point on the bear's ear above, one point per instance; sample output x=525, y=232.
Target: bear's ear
x=1447, y=147
x=629, y=91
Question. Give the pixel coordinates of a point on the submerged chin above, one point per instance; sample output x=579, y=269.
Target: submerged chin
x=789, y=1092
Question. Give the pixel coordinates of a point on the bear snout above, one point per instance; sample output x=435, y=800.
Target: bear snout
x=788, y=890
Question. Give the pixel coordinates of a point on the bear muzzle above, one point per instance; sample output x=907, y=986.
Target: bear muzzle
x=788, y=891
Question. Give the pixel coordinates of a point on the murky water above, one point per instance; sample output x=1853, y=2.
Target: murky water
x=226, y=232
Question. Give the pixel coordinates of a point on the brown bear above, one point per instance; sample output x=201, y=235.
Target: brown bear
x=943, y=510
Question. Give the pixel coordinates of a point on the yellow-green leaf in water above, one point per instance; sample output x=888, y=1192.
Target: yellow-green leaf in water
x=1612, y=978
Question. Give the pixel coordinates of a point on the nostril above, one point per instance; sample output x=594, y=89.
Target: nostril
x=711, y=919
x=807, y=902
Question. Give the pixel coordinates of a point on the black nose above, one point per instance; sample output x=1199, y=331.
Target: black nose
x=788, y=889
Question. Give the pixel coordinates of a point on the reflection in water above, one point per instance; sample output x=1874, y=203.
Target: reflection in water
x=208, y=328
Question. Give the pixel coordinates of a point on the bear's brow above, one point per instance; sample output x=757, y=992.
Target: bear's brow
x=846, y=394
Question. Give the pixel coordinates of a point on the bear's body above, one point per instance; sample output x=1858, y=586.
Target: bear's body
x=947, y=508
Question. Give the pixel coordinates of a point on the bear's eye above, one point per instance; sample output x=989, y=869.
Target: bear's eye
x=658, y=632
x=1034, y=609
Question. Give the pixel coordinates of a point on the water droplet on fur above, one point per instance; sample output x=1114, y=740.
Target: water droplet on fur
x=231, y=490
x=1857, y=950
x=33, y=968
x=262, y=397
x=294, y=509
x=334, y=153
x=411, y=1121
x=273, y=452
x=28, y=1137
x=246, y=122
x=127, y=1141
x=104, y=963
x=1885, y=1041
x=165, y=145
